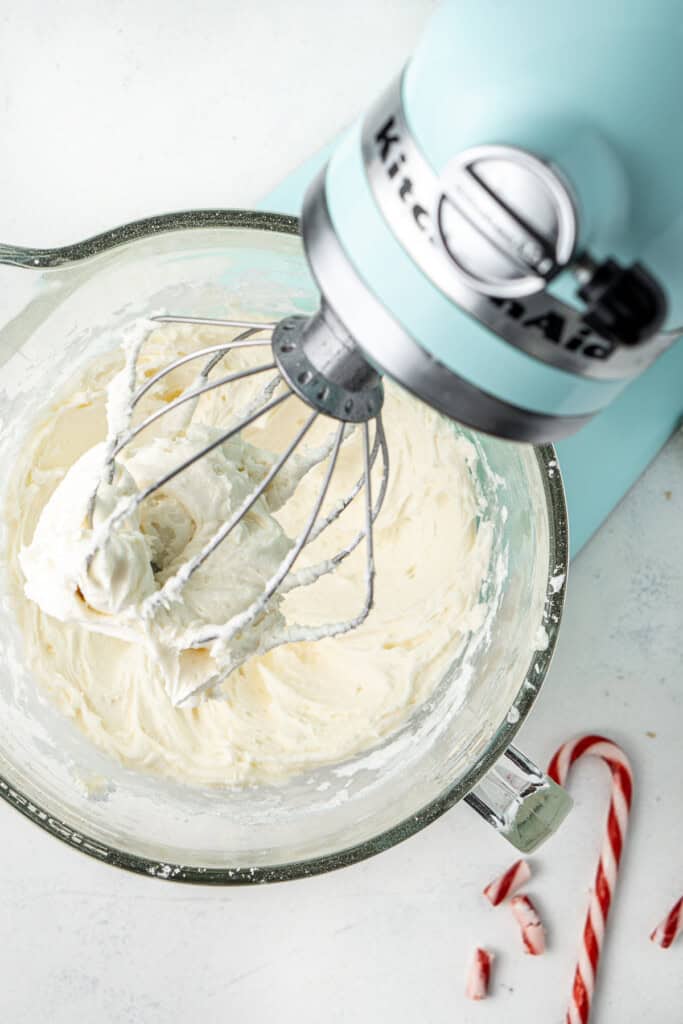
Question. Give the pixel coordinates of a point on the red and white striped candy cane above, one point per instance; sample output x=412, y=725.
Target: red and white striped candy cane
x=610, y=855
x=507, y=883
x=665, y=933
x=479, y=974
x=530, y=924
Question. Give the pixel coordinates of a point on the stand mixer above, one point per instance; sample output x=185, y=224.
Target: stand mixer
x=501, y=241
x=508, y=248
x=566, y=86
x=504, y=261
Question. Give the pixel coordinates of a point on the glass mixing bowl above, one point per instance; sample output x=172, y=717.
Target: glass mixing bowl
x=335, y=815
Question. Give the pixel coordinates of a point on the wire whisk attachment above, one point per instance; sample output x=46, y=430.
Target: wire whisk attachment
x=187, y=645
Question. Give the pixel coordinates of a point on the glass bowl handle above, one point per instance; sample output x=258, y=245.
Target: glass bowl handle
x=520, y=801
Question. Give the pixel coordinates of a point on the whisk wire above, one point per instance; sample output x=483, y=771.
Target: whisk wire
x=259, y=399
x=313, y=633
x=208, y=321
x=245, y=618
x=298, y=633
x=309, y=575
x=217, y=351
x=129, y=506
x=174, y=583
x=369, y=539
x=221, y=439
x=187, y=396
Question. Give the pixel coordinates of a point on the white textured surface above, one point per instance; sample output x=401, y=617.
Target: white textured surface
x=98, y=118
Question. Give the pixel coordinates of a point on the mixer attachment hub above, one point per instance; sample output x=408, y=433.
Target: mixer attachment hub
x=323, y=365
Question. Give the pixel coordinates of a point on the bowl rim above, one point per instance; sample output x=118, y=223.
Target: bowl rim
x=558, y=538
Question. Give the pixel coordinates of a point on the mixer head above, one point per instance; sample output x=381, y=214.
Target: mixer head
x=462, y=285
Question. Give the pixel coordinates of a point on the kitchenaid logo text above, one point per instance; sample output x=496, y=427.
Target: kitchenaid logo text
x=394, y=161
x=570, y=333
x=551, y=321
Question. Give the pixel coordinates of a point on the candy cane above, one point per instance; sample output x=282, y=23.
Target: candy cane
x=610, y=855
x=666, y=932
x=530, y=924
x=479, y=974
x=508, y=883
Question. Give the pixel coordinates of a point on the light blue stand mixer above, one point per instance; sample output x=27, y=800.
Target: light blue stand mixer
x=503, y=246
x=502, y=233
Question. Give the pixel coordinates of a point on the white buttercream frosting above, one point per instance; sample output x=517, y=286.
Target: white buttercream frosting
x=116, y=656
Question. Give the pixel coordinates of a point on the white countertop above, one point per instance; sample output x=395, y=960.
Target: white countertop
x=110, y=111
